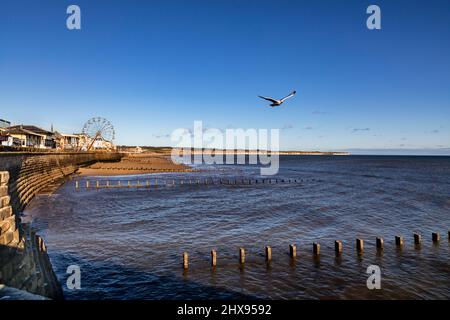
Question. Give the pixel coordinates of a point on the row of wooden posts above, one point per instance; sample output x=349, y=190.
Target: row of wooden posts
x=338, y=248
x=211, y=181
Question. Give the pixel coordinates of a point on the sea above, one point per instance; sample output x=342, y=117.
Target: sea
x=129, y=242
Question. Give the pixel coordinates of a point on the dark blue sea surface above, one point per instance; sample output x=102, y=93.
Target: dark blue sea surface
x=129, y=242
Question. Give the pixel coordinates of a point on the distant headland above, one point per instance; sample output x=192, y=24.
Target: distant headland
x=168, y=151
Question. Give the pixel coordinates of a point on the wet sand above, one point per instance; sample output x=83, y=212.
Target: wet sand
x=133, y=164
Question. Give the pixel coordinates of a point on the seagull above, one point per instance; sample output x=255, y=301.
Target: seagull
x=276, y=102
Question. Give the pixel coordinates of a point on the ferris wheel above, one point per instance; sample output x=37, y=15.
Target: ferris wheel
x=98, y=129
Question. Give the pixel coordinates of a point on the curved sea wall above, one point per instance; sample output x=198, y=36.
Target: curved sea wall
x=24, y=263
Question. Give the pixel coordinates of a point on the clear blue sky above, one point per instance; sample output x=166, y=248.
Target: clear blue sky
x=153, y=66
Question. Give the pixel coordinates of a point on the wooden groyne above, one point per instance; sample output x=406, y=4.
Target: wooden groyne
x=315, y=249
x=153, y=183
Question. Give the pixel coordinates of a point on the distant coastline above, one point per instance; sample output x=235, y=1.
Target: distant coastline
x=168, y=150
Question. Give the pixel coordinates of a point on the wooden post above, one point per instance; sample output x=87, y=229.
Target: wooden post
x=241, y=255
x=268, y=253
x=87, y=184
x=147, y=183
x=417, y=238
x=156, y=182
x=213, y=258
x=399, y=241
x=129, y=184
x=138, y=183
x=380, y=243
x=316, y=248
x=119, y=183
x=360, y=245
x=97, y=184
x=76, y=184
x=436, y=237
x=292, y=251
x=338, y=247
x=107, y=184
x=185, y=260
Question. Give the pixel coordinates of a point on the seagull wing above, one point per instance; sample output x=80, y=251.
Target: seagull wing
x=288, y=96
x=268, y=99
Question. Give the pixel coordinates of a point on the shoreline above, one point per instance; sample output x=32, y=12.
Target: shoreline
x=134, y=164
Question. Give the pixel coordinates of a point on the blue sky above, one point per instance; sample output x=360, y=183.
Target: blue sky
x=153, y=66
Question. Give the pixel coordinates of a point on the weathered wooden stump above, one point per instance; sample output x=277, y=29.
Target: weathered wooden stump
x=241, y=255
x=436, y=237
x=268, y=254
x=316, y=249
x=185, y=260
x=399, y=241
x=338, y=247
x=417, y=238
x=359, y=245
x=292, y=250
x=213, y=258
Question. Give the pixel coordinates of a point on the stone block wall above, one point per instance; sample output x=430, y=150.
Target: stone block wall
x=24, y=262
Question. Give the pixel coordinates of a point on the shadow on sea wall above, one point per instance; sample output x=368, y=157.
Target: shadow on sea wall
x=24, y=263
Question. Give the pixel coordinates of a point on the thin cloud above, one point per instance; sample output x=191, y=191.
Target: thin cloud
x=309, y=128
x=161, y=136
x=360, y=129
x=318, y=112
x=287, y=127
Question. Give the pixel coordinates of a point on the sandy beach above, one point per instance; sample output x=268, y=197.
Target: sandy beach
x=132, y=164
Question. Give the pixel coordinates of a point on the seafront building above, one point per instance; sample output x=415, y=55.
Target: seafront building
x=31, y=136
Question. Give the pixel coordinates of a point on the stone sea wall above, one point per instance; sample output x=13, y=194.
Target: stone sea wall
x=24, y=263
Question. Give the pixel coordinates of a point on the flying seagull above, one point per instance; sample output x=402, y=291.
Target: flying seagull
x=276, y=102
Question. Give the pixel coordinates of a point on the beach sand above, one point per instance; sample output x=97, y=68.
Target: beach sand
x=132, y=164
